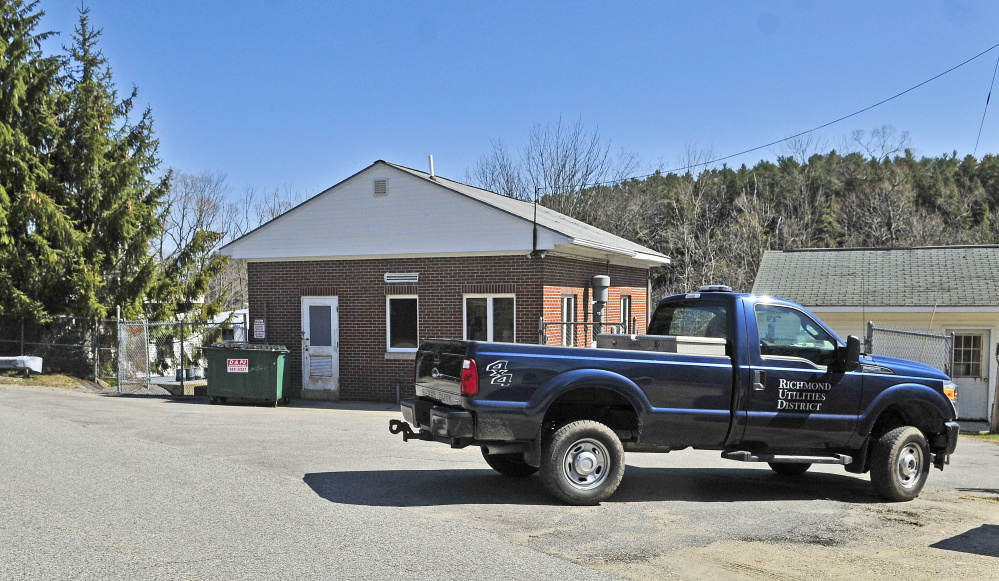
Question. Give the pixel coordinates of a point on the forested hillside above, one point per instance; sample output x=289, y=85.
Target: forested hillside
x=716, y=223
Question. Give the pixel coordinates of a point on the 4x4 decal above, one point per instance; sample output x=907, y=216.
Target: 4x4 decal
x=499, y=374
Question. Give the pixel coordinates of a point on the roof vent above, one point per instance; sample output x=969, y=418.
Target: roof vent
x=410, y=277
x=381, y=188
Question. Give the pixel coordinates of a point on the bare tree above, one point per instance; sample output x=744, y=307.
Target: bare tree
x=276, y=203
x=559, y=161
x=880, y=144
x=498, y=172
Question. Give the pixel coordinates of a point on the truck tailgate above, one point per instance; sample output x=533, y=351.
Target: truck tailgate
x=438, y=370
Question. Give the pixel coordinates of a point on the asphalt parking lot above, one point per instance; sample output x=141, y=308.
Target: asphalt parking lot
x=95, y=487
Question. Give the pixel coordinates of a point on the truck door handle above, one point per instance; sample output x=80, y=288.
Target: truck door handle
x=759, y=380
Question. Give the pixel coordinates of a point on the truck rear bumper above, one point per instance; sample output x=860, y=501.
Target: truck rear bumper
x=442, y=422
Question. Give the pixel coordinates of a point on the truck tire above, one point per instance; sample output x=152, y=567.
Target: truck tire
x=508, y=464
x=900, y=462
x=789, y=469
x=582, y=463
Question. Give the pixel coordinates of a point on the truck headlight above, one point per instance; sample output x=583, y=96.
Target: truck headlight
x=950, y=390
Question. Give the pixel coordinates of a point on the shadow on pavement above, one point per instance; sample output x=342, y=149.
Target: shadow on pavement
x=406, y=488
x=985, y=490
x=983, y=540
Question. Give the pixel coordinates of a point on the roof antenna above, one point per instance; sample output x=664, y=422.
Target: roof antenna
x=432, y=168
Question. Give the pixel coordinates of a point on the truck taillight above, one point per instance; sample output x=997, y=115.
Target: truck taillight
x=469, y=378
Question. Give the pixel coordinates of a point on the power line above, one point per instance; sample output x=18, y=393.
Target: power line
x=987, y=99
x=824, y=125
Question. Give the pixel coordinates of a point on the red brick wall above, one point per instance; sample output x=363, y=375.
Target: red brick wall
x=365, y=374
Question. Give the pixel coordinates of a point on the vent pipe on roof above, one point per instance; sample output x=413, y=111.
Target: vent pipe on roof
x=432, y=168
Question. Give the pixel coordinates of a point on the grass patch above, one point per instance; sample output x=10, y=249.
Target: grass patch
x=45, y=380
x=986, y=437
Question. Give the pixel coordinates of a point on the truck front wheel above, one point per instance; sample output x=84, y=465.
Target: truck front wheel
x=583, y=463
x=900, y=462
x=508, y=464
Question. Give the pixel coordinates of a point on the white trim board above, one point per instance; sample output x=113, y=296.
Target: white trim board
x=858, y=309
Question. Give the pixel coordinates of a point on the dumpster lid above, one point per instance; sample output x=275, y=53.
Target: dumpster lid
x=242, y=345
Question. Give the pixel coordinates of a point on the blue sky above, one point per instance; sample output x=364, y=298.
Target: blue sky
x=302, y=95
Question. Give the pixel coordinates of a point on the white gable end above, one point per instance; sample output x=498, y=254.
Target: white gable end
x=415, y=217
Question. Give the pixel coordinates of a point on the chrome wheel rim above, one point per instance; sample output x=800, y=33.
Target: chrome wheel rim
x=910, y=465
x=585, y=464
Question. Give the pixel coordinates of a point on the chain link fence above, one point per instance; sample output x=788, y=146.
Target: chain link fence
x=158, y=353
x=127, y=354
x=912, y=344
x=66, y=344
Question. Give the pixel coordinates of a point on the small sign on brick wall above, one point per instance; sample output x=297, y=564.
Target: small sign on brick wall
x=237, y=365
x=259, y=329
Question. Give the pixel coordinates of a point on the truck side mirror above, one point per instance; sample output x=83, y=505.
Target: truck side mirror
x=851, y=359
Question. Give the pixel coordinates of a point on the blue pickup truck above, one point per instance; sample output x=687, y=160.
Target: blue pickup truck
x=759, y=378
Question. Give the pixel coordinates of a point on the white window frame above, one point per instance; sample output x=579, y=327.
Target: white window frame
x=627, y=320
x=489, y=313
x=388, y=324
x=568, y=329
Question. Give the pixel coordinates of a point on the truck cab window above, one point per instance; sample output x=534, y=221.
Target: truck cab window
x=786, y=332
x=691, y=319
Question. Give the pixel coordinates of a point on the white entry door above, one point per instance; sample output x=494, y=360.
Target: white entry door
x=971, y=372
x=320, y=343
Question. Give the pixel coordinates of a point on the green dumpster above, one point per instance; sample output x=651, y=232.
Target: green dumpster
x=247, y=370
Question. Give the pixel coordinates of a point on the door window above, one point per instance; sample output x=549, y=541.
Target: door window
x=787, y=332
x=490, y=318
x=968, y=355
x=320, y=325
x=626, y=314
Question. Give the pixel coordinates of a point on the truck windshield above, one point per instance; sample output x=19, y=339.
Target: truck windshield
x=696, y=318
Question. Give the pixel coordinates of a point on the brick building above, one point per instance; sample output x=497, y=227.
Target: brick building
x=352, y=279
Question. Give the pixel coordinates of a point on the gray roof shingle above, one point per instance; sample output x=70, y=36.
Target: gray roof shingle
x=581, y=232
x=897, y=277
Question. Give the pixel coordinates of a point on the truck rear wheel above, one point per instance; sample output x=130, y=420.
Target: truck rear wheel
x=900, y=462
x=583, y=463
x=508, y=464
x=789, y=469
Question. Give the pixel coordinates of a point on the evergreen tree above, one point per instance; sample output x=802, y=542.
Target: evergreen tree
x=40, y=270
x=104, y=161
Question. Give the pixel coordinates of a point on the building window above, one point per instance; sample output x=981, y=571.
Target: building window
x=626, y=314
x=568, y=315
x=490, y=318
x=968, y=355
x=402, y=323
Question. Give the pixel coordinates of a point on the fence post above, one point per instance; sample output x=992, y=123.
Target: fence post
x=145, y=347
x=96, y=346
x=183, y=372
x=22, y=337
x=950, y=358
x=869, y=339
x=117, y=367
